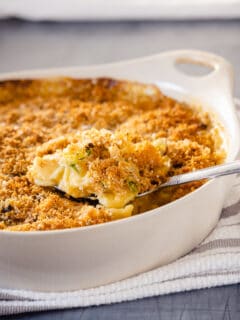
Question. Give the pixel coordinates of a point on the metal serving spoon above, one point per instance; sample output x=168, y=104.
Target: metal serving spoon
x=197, y=175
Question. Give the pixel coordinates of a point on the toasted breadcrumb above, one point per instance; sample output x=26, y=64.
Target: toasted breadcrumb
x=32, y=112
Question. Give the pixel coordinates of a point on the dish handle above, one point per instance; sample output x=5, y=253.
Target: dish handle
x=219, y=77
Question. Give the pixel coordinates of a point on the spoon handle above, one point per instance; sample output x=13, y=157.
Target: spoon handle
x=197, y=175
x=206, y=173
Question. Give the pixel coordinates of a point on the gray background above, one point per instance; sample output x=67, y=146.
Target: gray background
x=25, y=45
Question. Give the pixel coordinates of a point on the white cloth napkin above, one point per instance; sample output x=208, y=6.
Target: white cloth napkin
x=119, y=9
x=215, y=262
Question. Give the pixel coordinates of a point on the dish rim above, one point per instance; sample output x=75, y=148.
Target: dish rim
x=21, y=74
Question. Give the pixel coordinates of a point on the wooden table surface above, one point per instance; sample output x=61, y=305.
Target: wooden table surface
x=26, y=45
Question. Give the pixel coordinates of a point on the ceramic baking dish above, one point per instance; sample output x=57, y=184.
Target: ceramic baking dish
x=100, y=254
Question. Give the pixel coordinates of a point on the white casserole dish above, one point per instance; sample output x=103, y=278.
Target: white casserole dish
x=100, y=254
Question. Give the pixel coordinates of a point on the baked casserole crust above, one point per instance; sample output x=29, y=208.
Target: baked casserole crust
x=35, y=113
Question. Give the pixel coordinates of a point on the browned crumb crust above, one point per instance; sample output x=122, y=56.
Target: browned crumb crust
x=35, y=111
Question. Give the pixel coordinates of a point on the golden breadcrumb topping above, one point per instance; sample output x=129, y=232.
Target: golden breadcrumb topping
x=39, y=117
